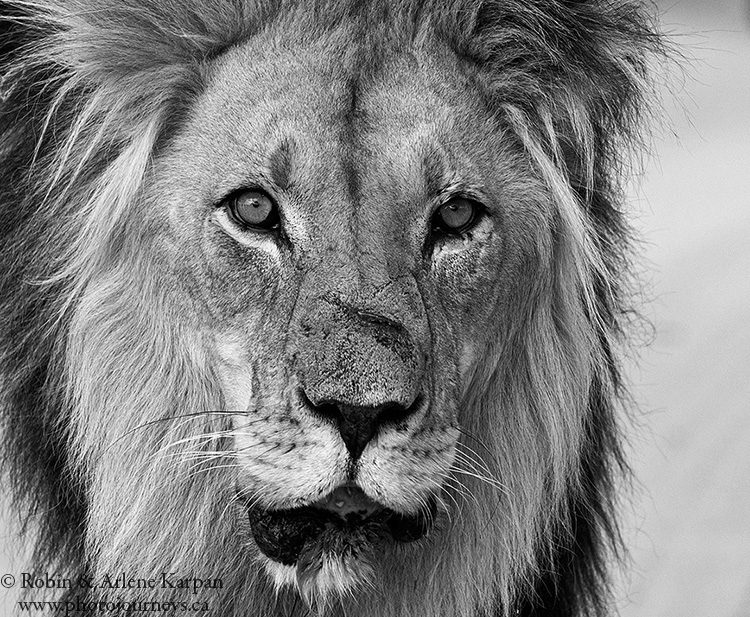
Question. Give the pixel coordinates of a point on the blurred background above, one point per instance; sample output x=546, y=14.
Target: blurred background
x=688, y=525
x=688, y=528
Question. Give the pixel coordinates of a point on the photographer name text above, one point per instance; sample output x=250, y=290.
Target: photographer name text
x=121, y=581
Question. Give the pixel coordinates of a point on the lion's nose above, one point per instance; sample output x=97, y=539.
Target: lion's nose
x=359, y=424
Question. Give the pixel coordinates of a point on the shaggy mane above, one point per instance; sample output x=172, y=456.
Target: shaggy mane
x=91, y=90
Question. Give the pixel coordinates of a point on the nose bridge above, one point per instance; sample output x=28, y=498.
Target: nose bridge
x=356, y=269
x=357, y=353
x=359, y=329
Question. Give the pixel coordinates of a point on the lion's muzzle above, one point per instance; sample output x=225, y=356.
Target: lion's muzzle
x=359, y=368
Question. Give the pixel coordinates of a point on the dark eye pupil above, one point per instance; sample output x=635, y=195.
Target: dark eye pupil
x=254, y=209
x=455, y=215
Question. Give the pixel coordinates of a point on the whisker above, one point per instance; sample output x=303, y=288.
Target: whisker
x=424, y=508
x=193, y=472
x=474, y=438
x=489, y=481
x=198, y=460
x=478, y=466
x=251, y=496
x=150, y=423
x=462, y=490
x=441, y=503
x=230, y=502
x=202, y=438
x=468, y=452
x=201, y=442
x=504, y=489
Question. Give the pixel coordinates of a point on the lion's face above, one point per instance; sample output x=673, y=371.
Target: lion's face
x=341, y=239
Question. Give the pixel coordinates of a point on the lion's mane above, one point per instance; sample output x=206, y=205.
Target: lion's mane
x=99, y=378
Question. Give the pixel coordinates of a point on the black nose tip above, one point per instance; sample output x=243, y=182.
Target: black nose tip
x=359, y=424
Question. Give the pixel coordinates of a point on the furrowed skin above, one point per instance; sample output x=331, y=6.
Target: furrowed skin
x=164, y=368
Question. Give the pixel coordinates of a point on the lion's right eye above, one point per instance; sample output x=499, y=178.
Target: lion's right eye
x=253, y=209
x=456, y=216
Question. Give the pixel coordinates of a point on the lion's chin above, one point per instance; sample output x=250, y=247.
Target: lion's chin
x=329, y=547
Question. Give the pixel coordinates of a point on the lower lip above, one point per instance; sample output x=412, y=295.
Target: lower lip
x=282, y=535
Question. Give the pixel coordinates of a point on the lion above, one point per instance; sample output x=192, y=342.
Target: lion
x=317, y=306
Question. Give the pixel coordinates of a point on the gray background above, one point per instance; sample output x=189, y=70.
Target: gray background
x=688, y=526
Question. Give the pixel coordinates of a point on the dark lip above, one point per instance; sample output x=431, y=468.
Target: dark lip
x=283, y=535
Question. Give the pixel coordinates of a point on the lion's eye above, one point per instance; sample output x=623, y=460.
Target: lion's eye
x=254, y=209
x=456, y=216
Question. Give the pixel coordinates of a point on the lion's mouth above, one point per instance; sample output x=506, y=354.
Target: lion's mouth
x=345, y=521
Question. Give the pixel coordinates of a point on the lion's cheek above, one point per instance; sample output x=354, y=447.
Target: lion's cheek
x=470, y=289
x=225, y=282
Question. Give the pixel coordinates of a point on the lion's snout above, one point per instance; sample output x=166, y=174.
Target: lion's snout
x=359, y=424
x=358, y=368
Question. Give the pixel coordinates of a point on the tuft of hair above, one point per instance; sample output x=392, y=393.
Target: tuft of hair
x=92, y=351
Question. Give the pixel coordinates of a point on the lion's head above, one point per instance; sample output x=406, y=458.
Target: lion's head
x=319, y=298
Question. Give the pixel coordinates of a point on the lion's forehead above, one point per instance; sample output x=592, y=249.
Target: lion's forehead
x=343, y=126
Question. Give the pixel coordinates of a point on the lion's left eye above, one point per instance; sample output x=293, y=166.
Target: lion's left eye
x=253, y=208
x=456, y=215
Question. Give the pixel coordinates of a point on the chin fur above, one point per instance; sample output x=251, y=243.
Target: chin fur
x=320, y=578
